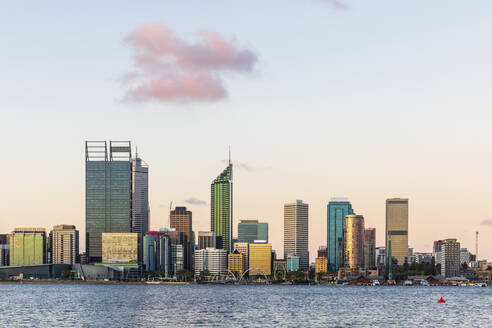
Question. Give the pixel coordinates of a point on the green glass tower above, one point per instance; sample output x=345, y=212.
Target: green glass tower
x=221, y=208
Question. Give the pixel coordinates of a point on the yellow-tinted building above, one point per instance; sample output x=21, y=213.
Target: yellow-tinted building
x=235, y=262
x=321, y=264
x=119, y=247
x=354, y=241
x=260, y=259
x=243, y=248
x=397, y=228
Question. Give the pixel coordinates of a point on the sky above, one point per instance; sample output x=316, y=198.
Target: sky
x=317, y=99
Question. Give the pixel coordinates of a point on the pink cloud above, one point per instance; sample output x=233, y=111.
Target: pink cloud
x=487, y=222
x=168, y=68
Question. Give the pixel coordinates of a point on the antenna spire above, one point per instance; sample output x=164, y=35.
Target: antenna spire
x=229, y=155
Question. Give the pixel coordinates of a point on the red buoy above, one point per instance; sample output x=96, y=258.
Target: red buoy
x=441, y=300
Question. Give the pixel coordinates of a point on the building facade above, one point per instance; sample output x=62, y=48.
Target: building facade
x=235, y=263
x=206, y=239
x=370, y=248
x=292, y=263
x=296, y=235
x=221, y=204
x=250, y=230
x=64, y=244
x=119, y=247
x=337, y=209
x=450, y=258
x=28, y=246
x=381, y=257
x=397, y=228
x=464, y=256
x=211, y=260
x=321, y=265
x=140, y=199
x=260, y=259
x=108, y=190
x=354, y=241
x=4, y=250
x=157, y=252
x=243, y=248
x=182, y=220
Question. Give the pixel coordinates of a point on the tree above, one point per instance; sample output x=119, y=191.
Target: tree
x=66, y=273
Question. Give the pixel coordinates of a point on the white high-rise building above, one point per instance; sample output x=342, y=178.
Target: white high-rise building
x=140, y=197
x=212, y=260
x=296, y=242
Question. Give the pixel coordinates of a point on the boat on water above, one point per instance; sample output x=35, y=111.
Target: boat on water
x=424, y=283
x=376, y=282
x=391, y=283
x=408, y=283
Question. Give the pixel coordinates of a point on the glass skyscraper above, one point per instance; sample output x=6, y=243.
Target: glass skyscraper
x=250, y=230
x=108, y=190
x=221, y=208
x=338, y=208
x=140, y=206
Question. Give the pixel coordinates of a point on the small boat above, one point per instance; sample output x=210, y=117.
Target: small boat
x=408, y=283
x=376, y=283
x=424, y=283
x=391, y=283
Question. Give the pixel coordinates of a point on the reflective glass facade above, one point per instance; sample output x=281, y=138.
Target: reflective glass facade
x=157, y=252
x=108, y=193
x=221, y=209
x=337, y=210
x=250, y=230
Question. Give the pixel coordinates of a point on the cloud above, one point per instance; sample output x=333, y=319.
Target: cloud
x=169, y=68
x=335, y=4
x=487, y=222
x=195, y=201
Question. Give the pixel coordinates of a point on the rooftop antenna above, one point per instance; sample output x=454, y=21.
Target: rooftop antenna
x=229, y=154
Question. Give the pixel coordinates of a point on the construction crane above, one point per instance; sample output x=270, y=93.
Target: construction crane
x=476, y=245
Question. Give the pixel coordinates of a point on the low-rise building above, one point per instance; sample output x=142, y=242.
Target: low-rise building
x=119, y=247
x=28, y=246
x=292, y=263
x=235, y=263
x=260, y=259
x=321, y=265
x=64, y=244
x=243, y=248
x=211, y=260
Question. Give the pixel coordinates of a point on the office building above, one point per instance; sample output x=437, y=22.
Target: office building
x=296, y=222
x=450, y=258
x=211, y=260
x=323, y=252
x=250, y=230
x=235, y=263
x=157, y=251
x=177, y=257
x=64, y=244
x=243, y=248
x=421, y=258
x=27, y=246
x=140, y=200
x=337, y=209
x=436, y=251
x=221, y=205
x=397, y=228
x=381, y=257
x=321, y=265
x=119, y=247
x=260, y=259
x=181, y=220
x=370, y=248
x=464, y=256
x=292, y=263
x=206, y=239
x=4, y=250
x=108, y=189
x=354, y=241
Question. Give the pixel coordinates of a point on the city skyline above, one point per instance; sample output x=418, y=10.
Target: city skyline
x=410, y=102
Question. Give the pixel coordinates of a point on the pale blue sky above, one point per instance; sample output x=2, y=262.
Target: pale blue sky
x=382, y=99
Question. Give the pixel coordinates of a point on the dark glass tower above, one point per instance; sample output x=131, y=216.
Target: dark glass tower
x=108, y=190
x=338, y=208
x=221, y=208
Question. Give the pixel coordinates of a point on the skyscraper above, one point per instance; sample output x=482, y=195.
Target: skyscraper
x=221, y=203
x=370, y=248
x=397, y=228
x=64, y=244
x=354, y=241
x=206, y=239
x=181, y=220
x=140, y=197
x=157, y=251
x=108, y=190
x=296, y=222
x=450, y=261
x=260, y=259
x=250, y=230
x=338, y=208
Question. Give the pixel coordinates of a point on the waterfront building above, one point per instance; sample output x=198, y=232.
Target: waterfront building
x=321, y=265
x=397, y=228
x=337, y=209
x=250, y=230
x=450, y=258
x=119, y=247
x=211, y=260
x=83, y=258
x=28, y=246
x=323, y=252
x=292, y=263
x=235, y=263
x=221, y=205
x=296, y=222
x=157, y=251
x=177, y=258
x=140, y=200
x=464, y=256
x=436, y=251
x=206, y=239
x=4, y=250
x=108, y=189
x=181, y=220
x=354, y=241
x=64, y=244
x=410, y=256
x=260, y=259
x=421, y=258
x=243, y=248
x=370, y=248
x=381, y=257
